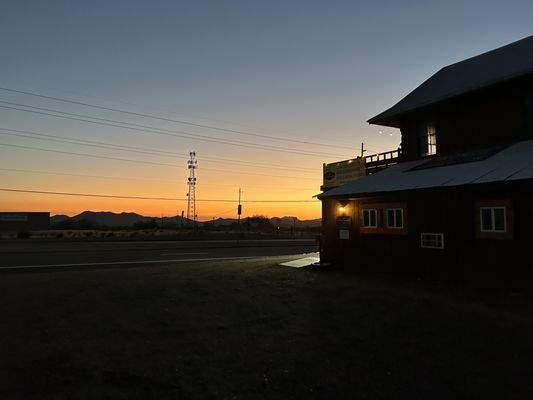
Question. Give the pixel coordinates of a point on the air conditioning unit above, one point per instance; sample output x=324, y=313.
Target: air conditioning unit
x=432, y=240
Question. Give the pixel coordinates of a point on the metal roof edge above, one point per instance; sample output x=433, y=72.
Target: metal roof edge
x=419, y=189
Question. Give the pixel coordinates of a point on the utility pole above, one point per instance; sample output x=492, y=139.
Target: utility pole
x=362, y=150
x=239, y=209
x=192, y=164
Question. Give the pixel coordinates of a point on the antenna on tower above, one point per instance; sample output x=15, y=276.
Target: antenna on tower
x=192, y=215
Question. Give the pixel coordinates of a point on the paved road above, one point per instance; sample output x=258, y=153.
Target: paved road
x=28, y=254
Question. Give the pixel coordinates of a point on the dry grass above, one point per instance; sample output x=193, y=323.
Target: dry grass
x=251, y=330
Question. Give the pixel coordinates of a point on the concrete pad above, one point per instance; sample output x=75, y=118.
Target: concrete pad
x=301, y=262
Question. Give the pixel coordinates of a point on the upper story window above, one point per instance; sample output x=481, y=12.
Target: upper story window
x=428, y=140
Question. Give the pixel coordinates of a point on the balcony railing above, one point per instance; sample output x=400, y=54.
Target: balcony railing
x=377, y=162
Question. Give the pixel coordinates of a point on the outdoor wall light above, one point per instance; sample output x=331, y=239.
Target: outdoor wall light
x=343, y=208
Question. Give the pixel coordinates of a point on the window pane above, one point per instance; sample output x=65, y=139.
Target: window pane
x=399, y=218
x=486, y=219
x=366, y=220
x=423, y=142
x=390, y=218
x=373, y=221
x=432, y=139
x=499, y=219
x=428, y=140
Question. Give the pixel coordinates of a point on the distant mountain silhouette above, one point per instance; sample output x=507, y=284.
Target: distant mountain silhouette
x=287, y=222
x=222, y=221
x=55, y=219
x=283, y=222
x=124, y=219
x=103, y=218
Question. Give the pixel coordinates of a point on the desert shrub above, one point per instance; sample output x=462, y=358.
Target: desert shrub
x=81, y=224
x=152, y=224
x=258, y=223
x=23, y=235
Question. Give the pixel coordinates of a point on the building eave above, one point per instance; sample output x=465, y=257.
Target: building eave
x=485, y=70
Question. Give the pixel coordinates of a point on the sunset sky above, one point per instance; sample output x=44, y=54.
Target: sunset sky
x=298, y=71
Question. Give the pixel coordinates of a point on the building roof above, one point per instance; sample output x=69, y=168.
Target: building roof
x=496, y=66
x=509, y=164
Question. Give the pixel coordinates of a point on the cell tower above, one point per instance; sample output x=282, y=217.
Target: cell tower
x=192, y=215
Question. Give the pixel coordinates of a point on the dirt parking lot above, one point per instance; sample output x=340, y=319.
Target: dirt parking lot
x=250, y=329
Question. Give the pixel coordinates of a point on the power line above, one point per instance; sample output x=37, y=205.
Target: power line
x=148, y=162
x=118, y=178
x=87, y=176
x=150, y=150
x=184, y=135
x=160, y=131
x=149, y=198
x=100, y=107
x=89, y=155
x=167, y=111
x=99, y=144
x=144, y=106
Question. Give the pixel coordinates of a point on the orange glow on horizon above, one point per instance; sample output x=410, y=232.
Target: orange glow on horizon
x=206, y=210
x=72, y=205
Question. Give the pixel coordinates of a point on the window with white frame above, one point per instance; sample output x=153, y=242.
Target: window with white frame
x=370, y=218
x=493, y=219
x=395, y=218
x=432, y=240
x=428, y=140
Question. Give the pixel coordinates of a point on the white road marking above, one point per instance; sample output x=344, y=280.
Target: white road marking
x=182, y=254
x=128, y=262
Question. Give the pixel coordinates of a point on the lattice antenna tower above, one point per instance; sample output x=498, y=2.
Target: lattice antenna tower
x=192, y=164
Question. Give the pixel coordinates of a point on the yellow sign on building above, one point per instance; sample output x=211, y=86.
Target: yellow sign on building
x=341, y=172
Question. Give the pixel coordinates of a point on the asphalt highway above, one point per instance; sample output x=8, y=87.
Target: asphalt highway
x=29, y=254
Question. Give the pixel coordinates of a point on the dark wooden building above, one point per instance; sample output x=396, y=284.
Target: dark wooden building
x=24, y=221
x=462, y=194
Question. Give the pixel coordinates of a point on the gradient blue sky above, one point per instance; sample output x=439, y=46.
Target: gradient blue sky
x=301, y=69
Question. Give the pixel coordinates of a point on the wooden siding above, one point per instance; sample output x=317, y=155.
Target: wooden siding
x=451, y=211
x=498, y=115
x=37, y=221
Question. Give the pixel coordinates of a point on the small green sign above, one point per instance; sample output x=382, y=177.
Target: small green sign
x=344, y=222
